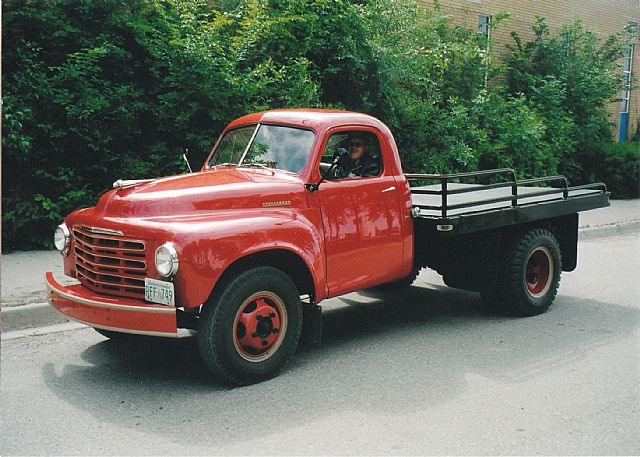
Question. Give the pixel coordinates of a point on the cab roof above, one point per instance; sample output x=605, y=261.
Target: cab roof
x=316, y=119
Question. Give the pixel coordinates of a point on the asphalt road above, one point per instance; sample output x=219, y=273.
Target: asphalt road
x=424, y=371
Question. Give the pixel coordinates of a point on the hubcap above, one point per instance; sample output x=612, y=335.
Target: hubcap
x=259, y=326
x=539, y=272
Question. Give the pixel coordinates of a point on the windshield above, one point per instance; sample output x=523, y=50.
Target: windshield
x=273, y=146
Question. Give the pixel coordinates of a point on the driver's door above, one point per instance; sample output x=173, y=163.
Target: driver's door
x=363, y=232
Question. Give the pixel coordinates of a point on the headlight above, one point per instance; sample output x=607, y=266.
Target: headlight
x=167, y=260
x=62, y=239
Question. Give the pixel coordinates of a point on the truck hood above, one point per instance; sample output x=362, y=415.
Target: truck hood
x=221, y=189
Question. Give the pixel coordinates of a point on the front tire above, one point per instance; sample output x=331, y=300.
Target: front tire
x=531, y=274
x=249, y=331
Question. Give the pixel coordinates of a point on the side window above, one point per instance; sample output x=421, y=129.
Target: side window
x=363, y=158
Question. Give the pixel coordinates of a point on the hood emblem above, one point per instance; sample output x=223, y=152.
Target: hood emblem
x=124, y=183
x=280, y=203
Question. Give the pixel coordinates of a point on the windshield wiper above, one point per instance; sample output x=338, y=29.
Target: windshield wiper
x=226, y=164
x=258, y=165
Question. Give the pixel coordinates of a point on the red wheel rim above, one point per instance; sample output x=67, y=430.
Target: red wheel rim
x=539, y=272
x=259, y=326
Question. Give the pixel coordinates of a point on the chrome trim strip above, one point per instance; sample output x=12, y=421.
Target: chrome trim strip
x=86, y=301
x=253, y=137
x=100, y=231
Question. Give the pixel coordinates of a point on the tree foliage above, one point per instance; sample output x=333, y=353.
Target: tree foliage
x=96, y=90
x=568, y=78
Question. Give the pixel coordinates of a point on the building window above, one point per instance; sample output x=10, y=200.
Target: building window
x=626, y=79
x=484, y=31
x=484, y=25
x=626, y=92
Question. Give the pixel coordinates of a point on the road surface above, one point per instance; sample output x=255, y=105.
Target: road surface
x=423, y=371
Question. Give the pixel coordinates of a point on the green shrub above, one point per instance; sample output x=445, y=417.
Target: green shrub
x=430, y=71
x=517, y=137
x=95, y=91
x=568, y=78
x=617, y=165
x=100, y=90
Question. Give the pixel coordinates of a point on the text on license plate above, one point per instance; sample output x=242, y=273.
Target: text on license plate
x=157, y=291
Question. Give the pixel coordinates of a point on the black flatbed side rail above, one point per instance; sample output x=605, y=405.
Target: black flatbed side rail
x=549, y=201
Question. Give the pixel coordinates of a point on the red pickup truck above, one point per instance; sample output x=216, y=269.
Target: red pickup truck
x=279, y=219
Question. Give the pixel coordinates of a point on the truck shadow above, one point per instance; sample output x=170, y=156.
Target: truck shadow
x=383, y=352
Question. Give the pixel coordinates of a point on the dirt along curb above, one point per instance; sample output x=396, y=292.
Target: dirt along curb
x=19, y=320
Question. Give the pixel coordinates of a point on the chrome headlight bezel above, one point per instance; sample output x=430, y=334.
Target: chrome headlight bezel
x=166, y=260
x=62, y=239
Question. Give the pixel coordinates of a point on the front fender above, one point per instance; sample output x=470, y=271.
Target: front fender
x=207, y=246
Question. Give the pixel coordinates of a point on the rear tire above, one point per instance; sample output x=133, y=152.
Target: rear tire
x=249, y=331
x=531, y=274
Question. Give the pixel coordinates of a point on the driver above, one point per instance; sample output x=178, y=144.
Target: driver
x=360, y=163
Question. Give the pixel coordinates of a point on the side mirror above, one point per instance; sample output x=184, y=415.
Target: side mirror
x=339, y=156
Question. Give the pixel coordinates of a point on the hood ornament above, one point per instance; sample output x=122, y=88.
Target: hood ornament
x=125, y=183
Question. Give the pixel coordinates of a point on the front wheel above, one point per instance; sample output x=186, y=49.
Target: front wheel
x=531, y=273
x=249, y=331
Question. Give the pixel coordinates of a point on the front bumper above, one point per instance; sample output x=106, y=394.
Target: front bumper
x=118, y=314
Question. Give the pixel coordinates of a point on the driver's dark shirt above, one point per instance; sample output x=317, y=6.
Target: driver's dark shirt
x=366, y=166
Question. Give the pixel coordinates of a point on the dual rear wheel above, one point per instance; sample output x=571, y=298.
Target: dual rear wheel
x=529, y=274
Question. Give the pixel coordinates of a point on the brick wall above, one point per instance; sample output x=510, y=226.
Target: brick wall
x=603, y=16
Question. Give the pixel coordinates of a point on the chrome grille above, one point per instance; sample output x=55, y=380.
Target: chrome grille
x=110, y=264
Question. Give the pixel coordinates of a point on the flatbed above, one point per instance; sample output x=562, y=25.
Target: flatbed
x=454, y=208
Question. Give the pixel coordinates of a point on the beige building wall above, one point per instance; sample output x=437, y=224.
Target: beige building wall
x=603, y=16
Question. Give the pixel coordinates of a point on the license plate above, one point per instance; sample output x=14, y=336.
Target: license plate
x=161, y=292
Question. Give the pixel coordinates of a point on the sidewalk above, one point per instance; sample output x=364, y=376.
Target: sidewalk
x=620, y=212
x=22, y=273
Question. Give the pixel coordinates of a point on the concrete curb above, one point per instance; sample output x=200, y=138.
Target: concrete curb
x=43, y=330
x=20, y=321
x=603, y=231
x=30, y=316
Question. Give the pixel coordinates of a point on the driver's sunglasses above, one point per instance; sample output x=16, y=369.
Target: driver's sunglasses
x=356, y=145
